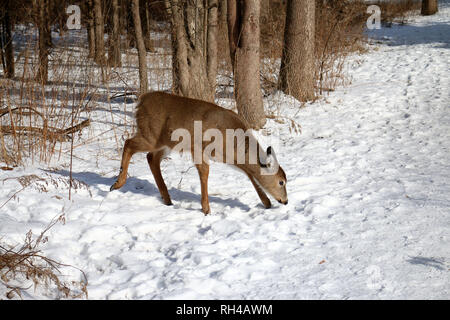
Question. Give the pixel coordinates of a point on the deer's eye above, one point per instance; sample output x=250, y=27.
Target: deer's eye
x=281, y=183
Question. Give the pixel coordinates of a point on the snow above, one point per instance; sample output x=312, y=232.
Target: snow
x=368, y=185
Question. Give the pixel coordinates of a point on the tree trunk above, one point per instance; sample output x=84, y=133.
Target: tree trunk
x=99, y=33
x=212, y=25
x=265, y=12
x=45, y=41
x=114, y=56
x=131, y=39
x=145, y=22
x=142, y=53
x=194, y=45
x=7, y=51
x=90, y=28
x=297, y=63
x=429, y=7
x=244, y=33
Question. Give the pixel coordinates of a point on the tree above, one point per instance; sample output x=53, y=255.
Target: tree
x=194, y=45
x=142, y=52
x=297, y=62
x=6, y=43
x=243, y=35
x=114, y=55
x=45, y=40
x=145, y=23
x=429, y=7
x=99, y=28
x=90, y=27
x=129, y=25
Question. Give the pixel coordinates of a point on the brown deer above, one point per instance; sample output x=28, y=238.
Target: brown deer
x=160, y=116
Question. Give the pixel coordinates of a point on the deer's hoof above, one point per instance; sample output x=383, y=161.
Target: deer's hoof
x=114, y=187
x=267, y=205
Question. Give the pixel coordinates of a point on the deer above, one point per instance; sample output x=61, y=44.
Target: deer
x=160, y=115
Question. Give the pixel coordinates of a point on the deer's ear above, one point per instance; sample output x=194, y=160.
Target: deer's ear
x=270, y=158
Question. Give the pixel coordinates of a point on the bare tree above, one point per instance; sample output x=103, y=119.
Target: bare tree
x=6, y=42
x=145, y=23
x=142, y=52
x=429, y=7
x=45, y=40
x=297, y=63
x=194, y=45
x=99, y=30
x=243, y=35
x=90, y=27
x=114, y=55
x=129, y=25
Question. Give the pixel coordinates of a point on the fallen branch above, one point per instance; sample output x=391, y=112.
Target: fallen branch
x=19, y=110
x=49, y=133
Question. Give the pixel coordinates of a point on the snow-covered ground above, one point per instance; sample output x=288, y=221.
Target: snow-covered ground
x=368, y=183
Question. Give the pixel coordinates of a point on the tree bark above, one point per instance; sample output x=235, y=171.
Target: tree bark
x=429, y=7
x=7, y=44
x=90, y=28
x=297, y=63
x=114, y=56
x=131, y=39
x=45, y=41
x=194, y=45
x=145, y=22
x=265, y=12
x=244, y=33
x=99, y=33
x=142, y=52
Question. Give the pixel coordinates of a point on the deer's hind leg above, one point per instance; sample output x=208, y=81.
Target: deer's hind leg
x=154, y=161
x=131, y=146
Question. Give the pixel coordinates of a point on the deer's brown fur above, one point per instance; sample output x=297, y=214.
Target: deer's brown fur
x=159, y=114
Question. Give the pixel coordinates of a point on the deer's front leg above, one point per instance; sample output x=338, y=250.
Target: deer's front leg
x=262, y=195
x=128, y=150
x=203, y=172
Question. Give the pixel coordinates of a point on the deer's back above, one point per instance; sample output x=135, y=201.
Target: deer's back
x=159, y=114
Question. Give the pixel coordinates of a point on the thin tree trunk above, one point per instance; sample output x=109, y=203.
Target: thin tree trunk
x=115, y=57
x=244, y=38
x=90, y=28
x=131, y=39
x=429, y=7
x=145, y=22
x=297, y=63
x=7, y=44
x=99, y=33
x=142, y=53
x=44, y=41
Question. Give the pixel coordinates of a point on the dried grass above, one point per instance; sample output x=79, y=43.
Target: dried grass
x=34, y=117
x=23, y=268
